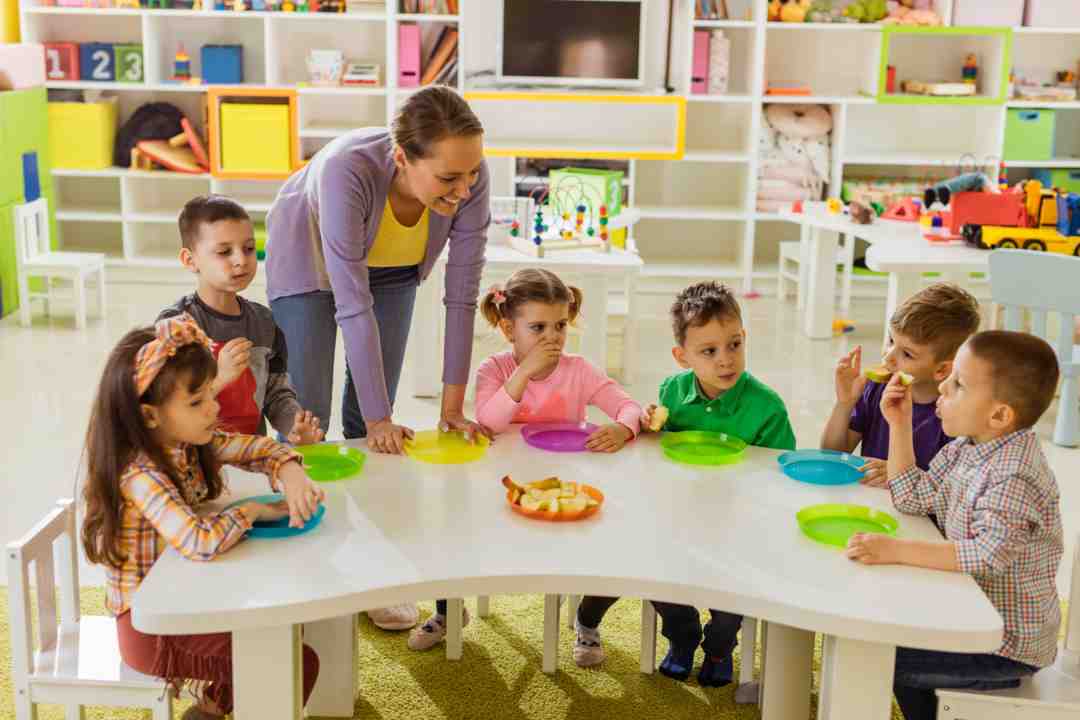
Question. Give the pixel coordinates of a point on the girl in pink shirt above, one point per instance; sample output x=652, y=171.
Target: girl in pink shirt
x=535, y=381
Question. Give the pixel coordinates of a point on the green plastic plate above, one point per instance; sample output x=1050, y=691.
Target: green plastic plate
x=696, y=447
x=833, y=524
x=329, y=462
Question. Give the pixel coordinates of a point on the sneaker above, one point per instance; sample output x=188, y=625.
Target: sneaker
x=716, y=671
x=588, y=652
x=678, y=663
x=432, y=632
x=397, y=617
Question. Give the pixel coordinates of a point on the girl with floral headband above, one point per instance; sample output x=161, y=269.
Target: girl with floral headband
x=154, y=454
x=536, y=382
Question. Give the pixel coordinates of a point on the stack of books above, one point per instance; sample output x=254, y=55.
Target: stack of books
x=441, y=64
x=430, y=7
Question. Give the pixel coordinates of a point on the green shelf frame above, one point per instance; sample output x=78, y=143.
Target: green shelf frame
x=889, y=31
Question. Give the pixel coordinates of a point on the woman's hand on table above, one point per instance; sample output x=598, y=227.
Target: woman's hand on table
x=302, y=494
x=609, y=438
x=458, y=422
x=383, y=436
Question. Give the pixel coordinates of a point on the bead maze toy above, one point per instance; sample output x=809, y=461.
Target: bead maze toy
x=568, y=214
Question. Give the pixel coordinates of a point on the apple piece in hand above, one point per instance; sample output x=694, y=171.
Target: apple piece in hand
x=906, y=379
x=658, y=418
x=878, y=374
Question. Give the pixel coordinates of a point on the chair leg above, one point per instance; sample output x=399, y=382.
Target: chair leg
x=551, y=634
x=572, y=602
x=483, y=605
x=24, y=301
x=648, y=637
x=162, y=707
x=748, y=691
x=80, y=302
x=101, y=292
x=74, y=711
x=24, y=708
x=1067, y=427
x=455, y=618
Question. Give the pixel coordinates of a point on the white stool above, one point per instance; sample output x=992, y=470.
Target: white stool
x=793, y=270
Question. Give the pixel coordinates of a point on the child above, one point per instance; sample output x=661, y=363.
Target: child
x=715, y=393
x=219, y=248
x=154, y=456
x=997, y=502
x=924, y=335
x=536, y=382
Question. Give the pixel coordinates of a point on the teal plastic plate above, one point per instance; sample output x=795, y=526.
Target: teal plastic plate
x=280, y=528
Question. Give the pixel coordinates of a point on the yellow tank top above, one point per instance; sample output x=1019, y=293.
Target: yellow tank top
x=398, y=245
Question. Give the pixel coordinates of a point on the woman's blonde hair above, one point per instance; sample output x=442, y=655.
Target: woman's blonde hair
x=525, y=286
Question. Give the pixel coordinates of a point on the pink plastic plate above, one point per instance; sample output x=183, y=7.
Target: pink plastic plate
x=558, y=437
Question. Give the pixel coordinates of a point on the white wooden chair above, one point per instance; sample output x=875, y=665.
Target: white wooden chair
x=794, y=265
x=76, y=661
x=35, y=258
x=1053, y=693
x=1045, y=282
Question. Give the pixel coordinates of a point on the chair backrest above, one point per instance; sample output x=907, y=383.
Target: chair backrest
x=50, y=547
x=1043, y=282
x=31, y=230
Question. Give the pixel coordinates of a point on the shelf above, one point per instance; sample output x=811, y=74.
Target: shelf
x=153, y=218
x=116, y=172
x=903, y=158
x=339, y=90
x=724, y=23
x=690, y=212
x=720, y=98
x=718, y=157
x=818, y=99
x=585, y=150
x=427, y=17
x=323, y=131
x=1056, y=163
x=88, y=215
x=1046, y=31
x=1048, y=104
x=826, y=27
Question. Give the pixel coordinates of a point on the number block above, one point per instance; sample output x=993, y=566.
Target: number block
x=97, y=62
x=61, y=61
x=129, y=63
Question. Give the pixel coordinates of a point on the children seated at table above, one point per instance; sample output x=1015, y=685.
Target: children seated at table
x=535, y=381
x=252, y=385
x=153, y=456
x=714, y=393
x=924, y=335
x=997, y=502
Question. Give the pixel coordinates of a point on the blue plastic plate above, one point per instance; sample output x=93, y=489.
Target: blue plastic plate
x=822, y=467
x=280, y=528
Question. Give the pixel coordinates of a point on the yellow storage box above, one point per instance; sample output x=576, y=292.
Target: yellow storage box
x=255, y=138
x=82, y=135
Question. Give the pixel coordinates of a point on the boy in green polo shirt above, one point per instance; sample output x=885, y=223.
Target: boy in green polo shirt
x=714, y=393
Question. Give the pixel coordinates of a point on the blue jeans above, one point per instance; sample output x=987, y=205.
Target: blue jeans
x=920, y=672
x=307, y=320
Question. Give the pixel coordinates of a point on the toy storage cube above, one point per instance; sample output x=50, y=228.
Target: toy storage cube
x=1067, y=180
x=222, y=64
x=62, y=61
x=97, y=62
x=82, y=135
x=22, y=66
x=129, y=63
x=1004, y=13
x=1029, y=135
x=1052, y=13
x=255, y=138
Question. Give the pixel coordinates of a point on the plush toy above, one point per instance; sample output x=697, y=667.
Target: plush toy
x=867, y=11
x=903, y=12
x=860, y=214
x=794, y=155
x=794, y=11
x=774, y=10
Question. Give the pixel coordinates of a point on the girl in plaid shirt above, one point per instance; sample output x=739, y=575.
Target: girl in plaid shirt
x=996, y=500
x=153, y=455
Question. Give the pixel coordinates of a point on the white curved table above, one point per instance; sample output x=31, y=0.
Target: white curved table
x=713, y=537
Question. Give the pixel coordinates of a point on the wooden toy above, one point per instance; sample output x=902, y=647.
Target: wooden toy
x=62, y=61
x=223, y=64
x=184, y=153
x=568, y=214
x=182, y=66
x=129, y=63
x=938, y=89
x=971, y=69
x=97, y=62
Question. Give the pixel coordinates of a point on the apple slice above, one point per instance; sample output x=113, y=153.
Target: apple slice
x=878, y=374
x=659, y=417
x=906, y=379
x=575, y=504
x=551, y=483
x=530, y=503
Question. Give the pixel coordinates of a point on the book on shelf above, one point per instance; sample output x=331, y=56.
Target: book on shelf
x=448, y=74
x=710, y=10
x=429, y=7
x=445, y=49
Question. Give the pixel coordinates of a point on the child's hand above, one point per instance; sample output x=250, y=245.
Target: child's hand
x=849, y=378
x=543, y=357
x=651, y=414
x=232, y=361
x=610, y=438
x=301, y=493
x=267, y=512
x=896, y=402
x=873, y=549
x=875, y=473
x=305, y=429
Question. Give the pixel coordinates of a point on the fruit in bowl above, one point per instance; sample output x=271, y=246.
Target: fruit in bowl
x=552, y=498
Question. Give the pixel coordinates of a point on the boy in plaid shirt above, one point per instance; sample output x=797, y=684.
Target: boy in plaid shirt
x=996, y=500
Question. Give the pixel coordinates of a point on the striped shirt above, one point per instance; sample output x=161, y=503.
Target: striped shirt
x=157, y=513
x=998, y=503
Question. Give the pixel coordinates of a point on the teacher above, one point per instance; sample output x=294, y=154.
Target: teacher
x=353, y=234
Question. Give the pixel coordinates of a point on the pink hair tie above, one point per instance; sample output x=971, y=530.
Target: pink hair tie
x=497, y=294
x=170, y=335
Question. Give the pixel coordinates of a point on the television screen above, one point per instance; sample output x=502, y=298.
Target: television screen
x=575, y=40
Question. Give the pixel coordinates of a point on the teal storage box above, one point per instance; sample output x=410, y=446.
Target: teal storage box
x=1029, y=134
x=1067, y=180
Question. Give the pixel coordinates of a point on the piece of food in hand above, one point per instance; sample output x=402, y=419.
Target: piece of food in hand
x=878, y=374
x=906, y=379
x=659, y=417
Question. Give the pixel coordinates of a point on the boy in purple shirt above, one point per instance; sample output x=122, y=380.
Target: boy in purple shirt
x=924, y=335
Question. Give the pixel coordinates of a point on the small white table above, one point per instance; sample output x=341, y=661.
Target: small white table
x=594, y=272
x=710, y=537
x=896, y=247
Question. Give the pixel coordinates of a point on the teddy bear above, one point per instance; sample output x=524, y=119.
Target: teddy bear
x=911, y=12
x=794, y=155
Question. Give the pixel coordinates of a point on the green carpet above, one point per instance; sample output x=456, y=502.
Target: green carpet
x=499, y=675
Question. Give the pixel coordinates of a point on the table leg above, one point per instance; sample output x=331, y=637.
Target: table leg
x=648, y=637
x=594, y=336
x=426, y=343
x=821, y=285
x=455, y=617
x=901, y=287
x=336, y=643
x=550, y=661
x=785, y=674
x=267, y=673
x=856, y=680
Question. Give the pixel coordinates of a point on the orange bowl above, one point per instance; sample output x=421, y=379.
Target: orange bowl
x=561, y=516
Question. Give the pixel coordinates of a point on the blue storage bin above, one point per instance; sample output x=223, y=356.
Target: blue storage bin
x=222, y=64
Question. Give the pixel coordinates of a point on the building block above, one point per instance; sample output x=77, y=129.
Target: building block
x=905, y=210
x=222, y=64
x=129, y=63
x=62, y=61
x=21, y=66
x=97, y=62
x=82, y=135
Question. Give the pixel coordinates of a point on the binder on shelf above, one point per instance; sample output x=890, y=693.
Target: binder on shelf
x=445, y=50
x=408, y=55
x=699, y=73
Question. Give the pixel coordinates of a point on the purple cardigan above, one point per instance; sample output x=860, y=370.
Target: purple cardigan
x=322, y=225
